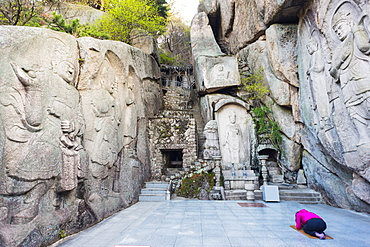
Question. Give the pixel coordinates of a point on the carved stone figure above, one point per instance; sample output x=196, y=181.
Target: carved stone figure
x=351, y=68
x=233, y=139
x=131, y=113
x=103, y=140
x=235, y=133
x=107, y=119
x=211, y=145
x=220, y=75
x=65, y=111
x=317, y=78
x=43, y=127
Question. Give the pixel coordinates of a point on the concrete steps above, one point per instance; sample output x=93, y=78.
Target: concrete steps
x=154, y=192
x=300, y=195
x=236, y=194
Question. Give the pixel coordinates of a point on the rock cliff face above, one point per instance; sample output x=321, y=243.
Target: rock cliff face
x=73, y=131
x=316, y=63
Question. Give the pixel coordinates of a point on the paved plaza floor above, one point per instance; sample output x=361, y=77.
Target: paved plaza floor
x=192, y=223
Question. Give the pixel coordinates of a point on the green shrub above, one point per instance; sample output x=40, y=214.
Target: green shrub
x=266, y=127
x=252, y=83
x=194, y=182
x=58, y=23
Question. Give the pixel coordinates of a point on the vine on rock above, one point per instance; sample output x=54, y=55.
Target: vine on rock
x=267, y=128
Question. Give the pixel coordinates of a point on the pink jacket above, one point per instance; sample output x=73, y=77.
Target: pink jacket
x=302, y=216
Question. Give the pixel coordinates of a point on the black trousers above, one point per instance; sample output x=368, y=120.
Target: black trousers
x=314, y=225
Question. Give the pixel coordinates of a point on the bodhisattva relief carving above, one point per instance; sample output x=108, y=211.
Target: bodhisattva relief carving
x=43, y=128
x=317, y=79
x=66, y=111
x=131, y=113
x=103, y=142
x=350, y=65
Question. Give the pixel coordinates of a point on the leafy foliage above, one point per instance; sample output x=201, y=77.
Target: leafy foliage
x=74, y=27
x=162, y=8
x=191, y=185
x=266, y=127
x=252, y=83
x=125, y=15
x=20, y=12
x=174, y=44
x=62, y=234
x=167, y=59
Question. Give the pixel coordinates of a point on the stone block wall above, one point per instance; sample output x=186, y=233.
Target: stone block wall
x=172, y=133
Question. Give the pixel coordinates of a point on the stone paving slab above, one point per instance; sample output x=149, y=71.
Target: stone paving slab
x=193, y=223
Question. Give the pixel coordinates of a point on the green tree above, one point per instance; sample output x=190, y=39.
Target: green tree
x=162, y=8
x=20, y=12
x=74, y=27
x=174, y=44
x=267, y=128
x=252, y=83
x=125, y=15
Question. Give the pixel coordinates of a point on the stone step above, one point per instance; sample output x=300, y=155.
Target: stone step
x=236, y=194
x=152, y=198
x=304, y=196
x=154, y=192
x=155, y=184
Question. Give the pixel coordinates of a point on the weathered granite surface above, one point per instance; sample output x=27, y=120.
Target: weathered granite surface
x=73, y=138
x=237, y=23
x=213, y=69
x=315, y=64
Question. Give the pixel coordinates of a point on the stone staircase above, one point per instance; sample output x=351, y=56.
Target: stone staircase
x=155, y=192
x=300, y=195
x=234, y=195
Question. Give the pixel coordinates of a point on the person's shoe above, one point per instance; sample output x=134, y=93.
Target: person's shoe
x=320, y=235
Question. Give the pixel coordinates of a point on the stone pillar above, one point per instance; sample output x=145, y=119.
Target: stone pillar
x=263, y=159
x=250, y=189
x=217, y=170
x=218, y=191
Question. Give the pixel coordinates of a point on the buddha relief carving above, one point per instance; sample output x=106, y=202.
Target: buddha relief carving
x=103, y=140
x=233, y=138
x=220, y=75
x=234, y=129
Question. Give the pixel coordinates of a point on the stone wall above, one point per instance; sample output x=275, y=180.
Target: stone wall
x=172, y=133
x=315, y=56
x=73, y=131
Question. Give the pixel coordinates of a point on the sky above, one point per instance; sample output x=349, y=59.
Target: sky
x=186, y=9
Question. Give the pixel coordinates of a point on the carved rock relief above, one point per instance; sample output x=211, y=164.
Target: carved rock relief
x=103, y=119
x=234, y=128
x=335, y=80
x=43, y=125
x=60, y=135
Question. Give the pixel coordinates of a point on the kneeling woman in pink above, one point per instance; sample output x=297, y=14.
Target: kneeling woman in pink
x=312, y=223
